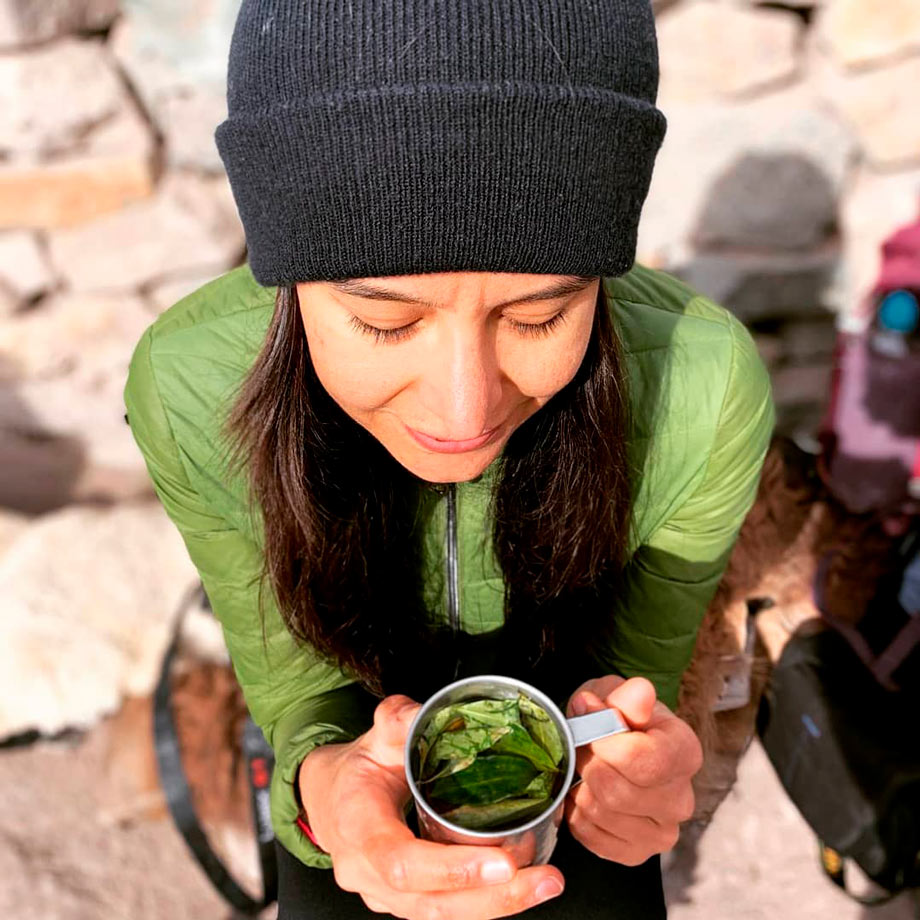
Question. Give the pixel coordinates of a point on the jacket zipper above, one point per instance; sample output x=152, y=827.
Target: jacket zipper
x=453, y=594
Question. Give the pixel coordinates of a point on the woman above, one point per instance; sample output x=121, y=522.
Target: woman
x=455, y=428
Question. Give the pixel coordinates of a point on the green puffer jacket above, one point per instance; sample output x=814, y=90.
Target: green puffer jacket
x=703, y=411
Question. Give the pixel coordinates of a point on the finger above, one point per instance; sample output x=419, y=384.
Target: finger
x=529, y=887
x=660, y=832
x=635, y=700
x=664, y=751
x=413, y=865
x=604, y=844
x=604, y=792
x=387, y=739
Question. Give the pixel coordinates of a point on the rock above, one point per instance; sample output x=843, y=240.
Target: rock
x=25, y=22
x=785, y=134
x=709, y=50
x=33, y=85
x=62, y=371
x=24, y=272
x=188, y=121
x=881, y=106
x=90, y=601
x=190, y=227
x=178, y=65
x=109, y=168
x=768, y=201
x=766, y=286
x=876, y=206
x=72, y=333
x=860, y=32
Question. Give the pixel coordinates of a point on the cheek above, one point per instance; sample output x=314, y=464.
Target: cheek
x=359, y=379
x=540, y=370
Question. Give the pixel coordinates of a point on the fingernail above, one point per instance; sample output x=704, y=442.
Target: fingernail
x=497, y=871
x=579, y=706
x=548, y=888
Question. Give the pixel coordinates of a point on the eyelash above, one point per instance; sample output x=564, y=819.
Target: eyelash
x=536, y=330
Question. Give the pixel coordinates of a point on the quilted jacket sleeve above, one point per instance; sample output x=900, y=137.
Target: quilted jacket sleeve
x=673, y=575
x=296, y=698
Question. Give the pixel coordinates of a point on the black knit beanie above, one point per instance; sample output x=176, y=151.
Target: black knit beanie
x=393, y=137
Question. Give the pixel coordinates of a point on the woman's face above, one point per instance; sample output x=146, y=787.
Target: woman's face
x=441, y=368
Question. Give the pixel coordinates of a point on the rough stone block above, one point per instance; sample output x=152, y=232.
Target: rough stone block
x=90, y=598
x=858, y=32
x=784, y=137
x=24, y=271
x=881, y=107
x=710, y=50
x=190, y=227
x=25, y=22
x=50, y=98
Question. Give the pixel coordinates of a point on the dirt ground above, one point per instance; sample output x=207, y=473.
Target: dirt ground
x=64, y=855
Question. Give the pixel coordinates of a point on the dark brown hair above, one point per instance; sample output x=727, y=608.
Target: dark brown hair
x=343, y=519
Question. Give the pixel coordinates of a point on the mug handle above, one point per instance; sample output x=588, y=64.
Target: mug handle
x=596, y=725
x=593, y=727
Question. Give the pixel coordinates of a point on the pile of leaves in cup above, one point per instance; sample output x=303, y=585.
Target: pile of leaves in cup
x=485, y=764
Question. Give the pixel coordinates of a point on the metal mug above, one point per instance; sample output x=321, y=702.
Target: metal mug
x=532, y=842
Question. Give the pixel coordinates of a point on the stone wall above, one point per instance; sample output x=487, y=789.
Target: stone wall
x=793, y=149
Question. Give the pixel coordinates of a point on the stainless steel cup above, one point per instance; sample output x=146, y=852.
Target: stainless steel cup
x=532, y=842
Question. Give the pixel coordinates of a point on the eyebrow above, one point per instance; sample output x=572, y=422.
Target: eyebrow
x=360, y=288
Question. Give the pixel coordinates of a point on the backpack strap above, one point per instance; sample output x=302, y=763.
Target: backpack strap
x=854, y=637
x=179, y=800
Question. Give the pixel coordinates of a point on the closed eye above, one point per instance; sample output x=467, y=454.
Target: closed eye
x=538, y=329
x=401, y=333
x=382, y=335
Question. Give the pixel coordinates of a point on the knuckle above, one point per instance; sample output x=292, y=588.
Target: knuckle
x=606, y=791
x=377, y=907
x=343, y=874
x=648, y=768
x=686, y=806
x=432, y=910
x=458, y=875
x=396, y=872
x=509, y=900
x=670, y=835
x=694, y=757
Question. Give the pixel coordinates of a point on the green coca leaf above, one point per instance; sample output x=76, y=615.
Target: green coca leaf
x=541, y=786
x=542, y=728
x=479, y=817
x=490, y=778
x=517, y=741
x=451, y=766
x=467, y=742
x=436, y=724
x=490, y=712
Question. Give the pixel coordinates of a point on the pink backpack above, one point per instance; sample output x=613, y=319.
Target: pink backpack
x=870, y=434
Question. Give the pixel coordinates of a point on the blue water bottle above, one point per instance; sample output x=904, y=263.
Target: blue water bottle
x=898, y=316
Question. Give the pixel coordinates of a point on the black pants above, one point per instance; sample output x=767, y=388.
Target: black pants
x=594, y=888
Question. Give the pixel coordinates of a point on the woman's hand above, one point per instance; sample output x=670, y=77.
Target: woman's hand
x=354, y=795
x=636, y=787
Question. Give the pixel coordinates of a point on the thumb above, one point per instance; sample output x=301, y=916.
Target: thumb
x=635, y=699
x=387, y=739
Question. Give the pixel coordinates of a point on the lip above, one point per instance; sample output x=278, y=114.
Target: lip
x=452, y=447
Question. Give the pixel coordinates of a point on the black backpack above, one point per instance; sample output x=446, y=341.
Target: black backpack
x=840, y=722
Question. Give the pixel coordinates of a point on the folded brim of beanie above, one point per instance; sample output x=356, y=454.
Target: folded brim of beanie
x=407, y=180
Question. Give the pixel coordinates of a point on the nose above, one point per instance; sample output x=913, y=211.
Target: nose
x=462, y=386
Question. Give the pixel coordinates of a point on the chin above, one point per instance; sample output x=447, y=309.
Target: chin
x=441, y=468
